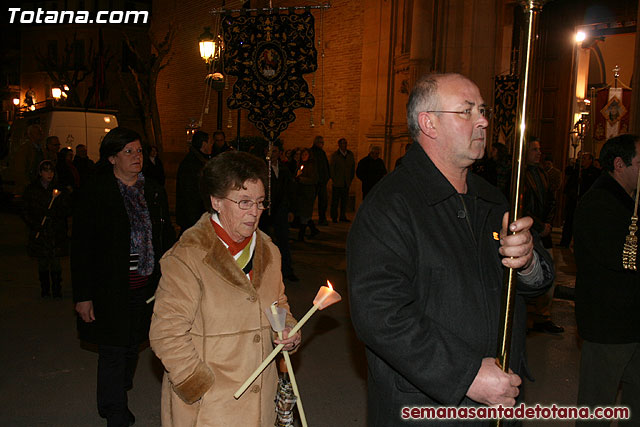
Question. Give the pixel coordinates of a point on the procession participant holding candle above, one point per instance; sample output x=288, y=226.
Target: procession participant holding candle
x=425, y=260
x=209, y=325
x=121, y=228
x=46, y=211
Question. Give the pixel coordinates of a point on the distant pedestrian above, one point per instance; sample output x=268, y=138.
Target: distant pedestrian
x=322, y=169
x=275, y=220
x=85, y=166
x=153, y=167
x=370, y=169
x=46, y=209
x=343, y=169
x=579, y=178
x=219, y=143
x=52, y=148
x=307, y=182
x=68, y=175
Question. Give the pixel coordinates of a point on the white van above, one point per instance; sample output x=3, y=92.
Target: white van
x=73, y=126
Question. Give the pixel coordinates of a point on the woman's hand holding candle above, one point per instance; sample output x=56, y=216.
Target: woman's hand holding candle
x=325, y=297
x=289, y=342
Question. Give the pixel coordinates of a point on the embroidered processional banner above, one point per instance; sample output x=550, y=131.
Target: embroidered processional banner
x=269, y=54
x=612, y=113
x=505, y=107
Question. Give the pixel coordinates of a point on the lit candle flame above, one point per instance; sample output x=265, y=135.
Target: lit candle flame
x=329, y=285
x=56, y=192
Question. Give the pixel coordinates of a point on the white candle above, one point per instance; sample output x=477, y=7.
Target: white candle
x=325, y=297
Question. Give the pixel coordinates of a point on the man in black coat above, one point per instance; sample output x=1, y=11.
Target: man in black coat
x=189, y=205
x=607, y=295
x=275, y=220
x=425, y=261
x=370, y=170
x=322, y=168
x=219, y=144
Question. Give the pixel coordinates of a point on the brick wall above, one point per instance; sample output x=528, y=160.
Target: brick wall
x=181, y=84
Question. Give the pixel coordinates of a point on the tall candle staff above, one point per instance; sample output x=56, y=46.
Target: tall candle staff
x=532, y=9
x=55, y=194
x=325, y=297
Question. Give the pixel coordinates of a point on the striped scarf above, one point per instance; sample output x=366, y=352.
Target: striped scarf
x=242, y=252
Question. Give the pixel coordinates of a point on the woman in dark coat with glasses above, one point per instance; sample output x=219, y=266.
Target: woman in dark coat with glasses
x=121, y=228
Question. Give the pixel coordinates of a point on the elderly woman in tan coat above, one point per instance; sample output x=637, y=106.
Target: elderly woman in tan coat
x=209, y=326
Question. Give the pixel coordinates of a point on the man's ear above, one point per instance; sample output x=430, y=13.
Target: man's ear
x=426, y=125
x=618, y=164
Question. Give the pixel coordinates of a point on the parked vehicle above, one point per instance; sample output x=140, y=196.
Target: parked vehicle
x=72, y=126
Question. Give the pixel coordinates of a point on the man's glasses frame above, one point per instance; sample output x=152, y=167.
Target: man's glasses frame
x=486, y=112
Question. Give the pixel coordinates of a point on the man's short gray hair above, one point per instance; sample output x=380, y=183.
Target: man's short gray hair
x=424, y=97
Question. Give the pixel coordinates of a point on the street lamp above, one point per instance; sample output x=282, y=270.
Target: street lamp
x=211, y=48
x=209, y=45
x=56, y=92
x=16, y=101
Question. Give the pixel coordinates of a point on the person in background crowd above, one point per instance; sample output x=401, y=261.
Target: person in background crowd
x=538, y=202
x=554, y=174
x=85, y=166
x=607, y=295
x=189, y=206
x=219, y=143
x=31, y=153
x=52, y=148
x=307, y=183
x=153, y=168
x=68, y=175
x=370, y=170
x=121, y=228
x=322, y=169
x=429, y=317
x=48, y=241
x=579, y=178
x=275, y=220
x=406, y=148
x=342, y=168
x=209, y=325
x=294, y=160
x=502, y=158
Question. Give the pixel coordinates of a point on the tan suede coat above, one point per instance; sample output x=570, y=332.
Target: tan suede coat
x=210, y=331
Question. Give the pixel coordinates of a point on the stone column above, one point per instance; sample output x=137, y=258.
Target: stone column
x=421, y=52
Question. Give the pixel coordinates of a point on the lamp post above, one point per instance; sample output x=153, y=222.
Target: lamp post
x=211, y=48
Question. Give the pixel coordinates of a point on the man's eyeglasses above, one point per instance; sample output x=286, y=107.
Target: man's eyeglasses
x=486, y=112
x=245, y=205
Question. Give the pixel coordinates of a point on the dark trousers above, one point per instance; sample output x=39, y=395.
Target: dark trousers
x=603, y=368
x=117, y=364
x=323, y=201
x=116, y=367
x=339, y=197
x=567, y=227
x=280, y=235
